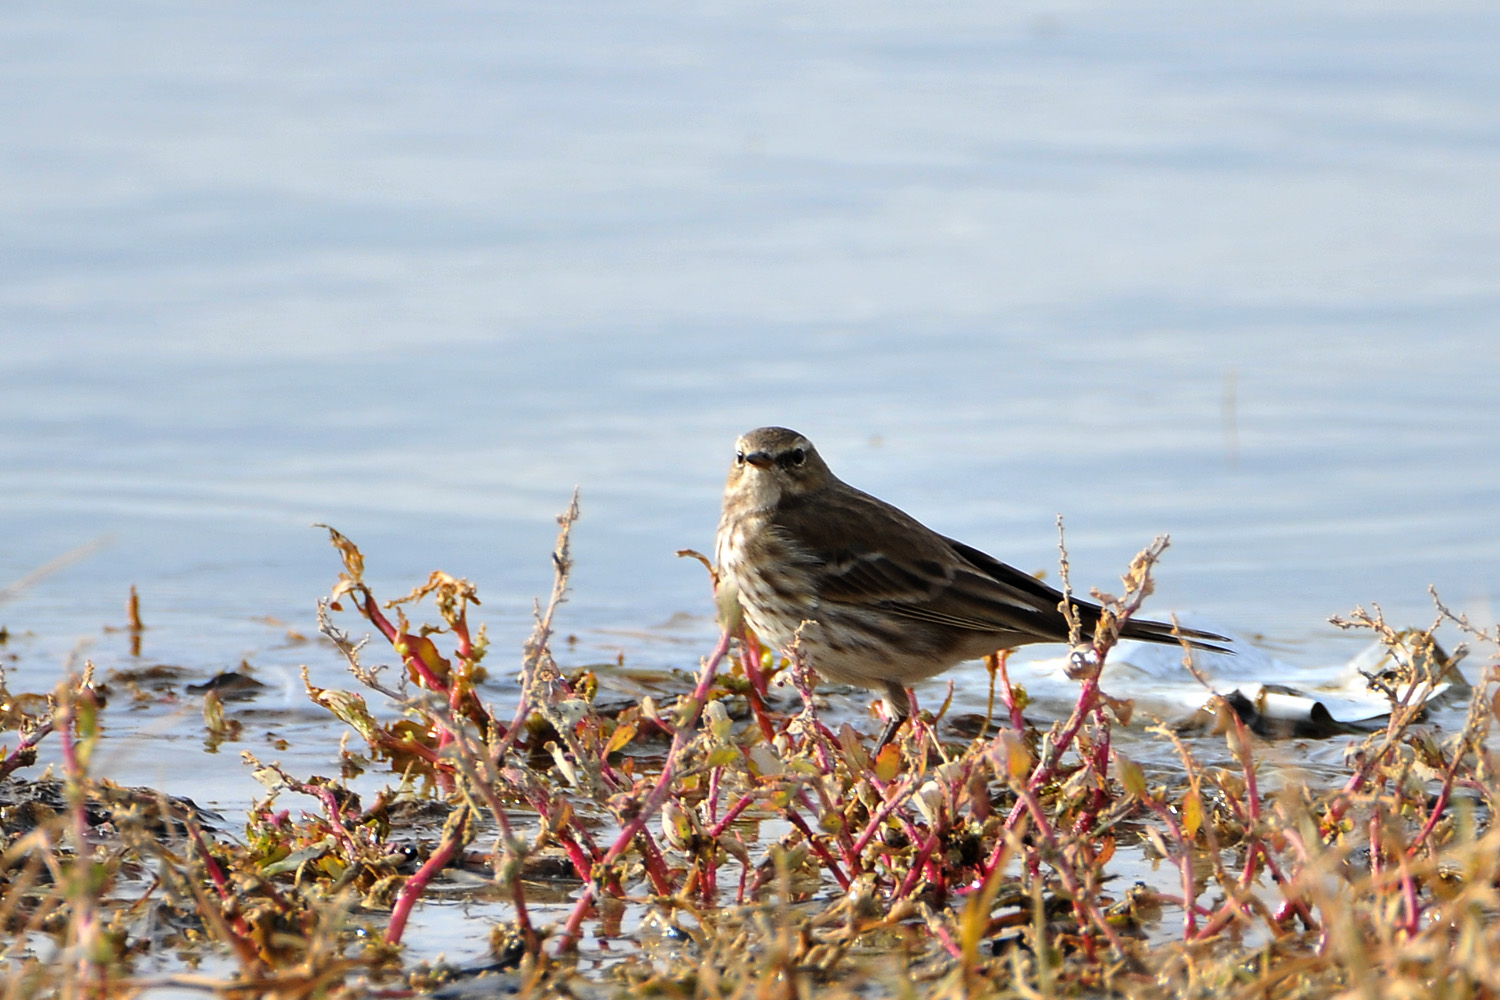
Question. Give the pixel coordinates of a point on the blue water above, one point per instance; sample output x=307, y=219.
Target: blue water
x=418, y=272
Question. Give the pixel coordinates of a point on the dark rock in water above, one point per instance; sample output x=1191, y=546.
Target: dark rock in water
x=229, y=686
x=1314, y=721
x=25, y=805
x=480, y=981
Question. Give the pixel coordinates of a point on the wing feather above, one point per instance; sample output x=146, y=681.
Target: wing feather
x=877, y=556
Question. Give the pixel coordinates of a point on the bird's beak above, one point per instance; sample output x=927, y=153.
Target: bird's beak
x=760, y=460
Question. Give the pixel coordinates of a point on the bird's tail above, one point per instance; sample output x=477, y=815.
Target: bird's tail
x=1164, y=632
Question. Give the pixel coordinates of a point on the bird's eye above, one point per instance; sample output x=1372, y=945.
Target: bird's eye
x=739, y=458
x=795, y=457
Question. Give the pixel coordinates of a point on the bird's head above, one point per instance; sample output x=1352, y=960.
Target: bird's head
x=773, y=462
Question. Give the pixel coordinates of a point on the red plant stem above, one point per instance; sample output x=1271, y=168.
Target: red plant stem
x=1184, y=864
x=733, y=814
x=417, y=665
x=750, y=658
x=919, y=733
x=465, y=647
x=713, y=793
x=1251, y=815
x=1087, y=910
x=1252, y=858
x=523, y=918
x=365, y=601
x=1256, y=855
x=816, y=731
x=67, y=715
x=1409, y=897
x=820, y=739
x=366, y=604
x=330, y=806
x=710, y=857
x=1400, y=719
x=829, y=861
x=1440, y=806
x=581, y=862
x=14, y=759
x=413, y=888
x=464, y=651
x=616, y=780
x=1220, y=919
x=1247, y=763
x=1286, y=911
x=750, y=653
x=215, y=873
x=846, y=844
x=574, y=838
x=1100, y=764
x=710, y=880
x=1088, y=700
x=739, y=896
x=1289, y=905
x=497, y=809
x=1017, y=720
x=220, y=881
x=656, y=865
x=946, y=940
x=409, y=746
x=913, y=834
x=658, y=795
x=914, y=873
x=887, y=806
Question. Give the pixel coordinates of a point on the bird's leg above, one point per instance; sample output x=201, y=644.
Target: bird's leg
x=900, y=702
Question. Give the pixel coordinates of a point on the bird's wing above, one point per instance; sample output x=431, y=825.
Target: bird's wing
x=946, y=593
x=878, y=556
x=874, y=555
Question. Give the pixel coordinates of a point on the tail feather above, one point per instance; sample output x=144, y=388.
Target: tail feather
x=1164, y=632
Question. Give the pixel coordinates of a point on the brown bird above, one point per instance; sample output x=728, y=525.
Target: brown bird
x=882, y=600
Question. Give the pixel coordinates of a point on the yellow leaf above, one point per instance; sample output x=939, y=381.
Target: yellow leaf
x=426, y=650
x=1017, y=758
x=722, y=757
x=849, y=743
x=1192, y=813
x=621, y=736
x=1132, y=778
x=719, y=722
x=888, y=762
x=975, y=921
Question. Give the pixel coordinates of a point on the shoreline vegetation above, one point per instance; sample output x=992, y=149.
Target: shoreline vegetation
x=742, y=850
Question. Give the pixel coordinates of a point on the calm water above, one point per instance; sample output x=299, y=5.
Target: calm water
x=418, y=273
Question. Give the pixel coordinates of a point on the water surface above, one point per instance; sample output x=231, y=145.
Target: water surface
x=1228, y=274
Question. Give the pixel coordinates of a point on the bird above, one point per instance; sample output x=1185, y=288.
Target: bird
x=871, y=596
